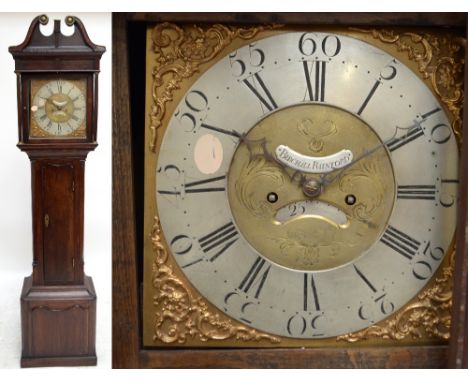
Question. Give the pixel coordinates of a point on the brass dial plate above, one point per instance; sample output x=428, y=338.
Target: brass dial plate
x=329, y=232
x=167, y=325
x=58, y=108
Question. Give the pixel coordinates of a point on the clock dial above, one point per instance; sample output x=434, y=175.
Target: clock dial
x=306, y=184
x=58, y=108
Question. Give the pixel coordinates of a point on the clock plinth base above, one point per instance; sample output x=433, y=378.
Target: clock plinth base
x=58, y=361
x=58, y=324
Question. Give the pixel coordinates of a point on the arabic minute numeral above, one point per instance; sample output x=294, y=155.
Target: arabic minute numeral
x=388, y=73
x=445, y=200
x=239, y=65
x=423, y=269
x=181, y=245
x=197, y=102
x=297, y=325
x=330, y=45
x=381, y=303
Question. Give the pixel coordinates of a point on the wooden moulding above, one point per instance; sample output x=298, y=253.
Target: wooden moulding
x=127, y=349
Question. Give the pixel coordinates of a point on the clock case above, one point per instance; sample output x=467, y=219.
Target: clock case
x=128, y=212
x=58, y=301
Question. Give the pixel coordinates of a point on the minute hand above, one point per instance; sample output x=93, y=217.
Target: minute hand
x=329, y=178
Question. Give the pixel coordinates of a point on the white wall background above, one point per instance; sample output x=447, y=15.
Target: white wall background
x=15, y=192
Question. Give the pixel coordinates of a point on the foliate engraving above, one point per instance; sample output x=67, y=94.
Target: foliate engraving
x=316, y=133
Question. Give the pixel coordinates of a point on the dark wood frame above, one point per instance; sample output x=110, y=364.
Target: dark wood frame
x=128, y=351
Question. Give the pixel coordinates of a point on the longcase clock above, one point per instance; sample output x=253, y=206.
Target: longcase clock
x=57, y=78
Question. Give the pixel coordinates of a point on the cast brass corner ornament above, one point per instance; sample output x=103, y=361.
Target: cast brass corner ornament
x=179, y=54
x=181, y=315
x=429, y=315
x=440, y=59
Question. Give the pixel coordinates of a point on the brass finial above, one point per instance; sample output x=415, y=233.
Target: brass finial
x=43, y=19
x=69, y=20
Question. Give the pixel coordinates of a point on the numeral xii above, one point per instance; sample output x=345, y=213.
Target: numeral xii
x=318, y=70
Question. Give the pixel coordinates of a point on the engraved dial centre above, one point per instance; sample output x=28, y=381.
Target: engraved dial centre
x=59, y=108
x=310, y=225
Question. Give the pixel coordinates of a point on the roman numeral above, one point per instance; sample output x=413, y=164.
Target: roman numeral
x=256, y=276
x=194, y=187
x=313, y=295
x=400, y=242
x=59, y=86
x=369, y=96
x=218, y=241
x=412, y=134
x=74, y=117
x=219, y=130
x=316, y=94
x=365, y=279
x=165, y=192
x=429, y=113
x=191, y=188
x=416, y=192
x=266, y=99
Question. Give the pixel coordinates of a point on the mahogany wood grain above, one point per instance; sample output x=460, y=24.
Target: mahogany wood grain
x=369, y=358
x=458, y=351
x=419, y=19
x=125, y=322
